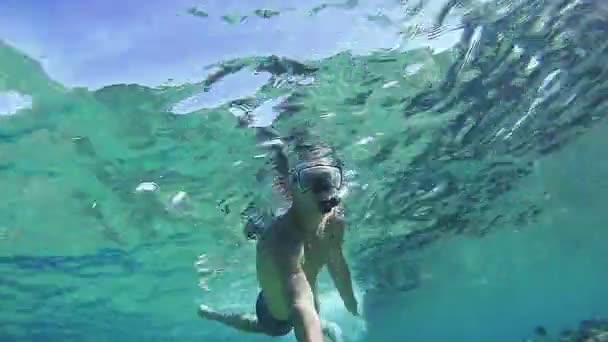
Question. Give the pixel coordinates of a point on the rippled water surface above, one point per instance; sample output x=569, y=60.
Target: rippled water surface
x=131, y=147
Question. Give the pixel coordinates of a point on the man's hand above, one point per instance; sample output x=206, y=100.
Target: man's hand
x=332, y=331
x=338, y=268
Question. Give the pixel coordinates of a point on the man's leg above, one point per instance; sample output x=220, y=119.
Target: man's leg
x=243, y=322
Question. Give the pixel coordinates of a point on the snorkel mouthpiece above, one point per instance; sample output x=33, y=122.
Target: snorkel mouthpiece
x=327, y=205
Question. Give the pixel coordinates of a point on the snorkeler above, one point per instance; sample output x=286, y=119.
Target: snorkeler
x=293, y=249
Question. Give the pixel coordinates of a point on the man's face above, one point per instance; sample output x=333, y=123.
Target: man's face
x=316, y=186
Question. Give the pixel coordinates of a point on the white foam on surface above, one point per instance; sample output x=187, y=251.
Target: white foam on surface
x=11, y=102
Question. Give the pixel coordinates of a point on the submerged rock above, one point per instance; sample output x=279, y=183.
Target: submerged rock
x=593, y=330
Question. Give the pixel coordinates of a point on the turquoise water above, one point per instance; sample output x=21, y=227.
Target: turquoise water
x=472, y=133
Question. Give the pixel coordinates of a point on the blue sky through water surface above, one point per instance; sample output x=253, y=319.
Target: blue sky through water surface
x=97, y=43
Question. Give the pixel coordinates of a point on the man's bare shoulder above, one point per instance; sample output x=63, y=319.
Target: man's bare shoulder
x=276, y=238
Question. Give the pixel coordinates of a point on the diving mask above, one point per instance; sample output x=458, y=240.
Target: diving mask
x=318, y=177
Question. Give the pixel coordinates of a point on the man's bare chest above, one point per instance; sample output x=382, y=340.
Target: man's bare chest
x=315, y=253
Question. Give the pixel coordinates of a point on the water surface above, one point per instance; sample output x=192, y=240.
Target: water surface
x=472, y=134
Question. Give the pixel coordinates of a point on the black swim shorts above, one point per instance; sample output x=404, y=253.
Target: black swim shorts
x=269, y=324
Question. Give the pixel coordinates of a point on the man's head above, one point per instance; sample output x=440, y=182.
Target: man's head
x=316, y=179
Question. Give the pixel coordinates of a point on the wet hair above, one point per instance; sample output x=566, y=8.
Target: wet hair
x=308, y=148
x=313, y=153
x=305, y=149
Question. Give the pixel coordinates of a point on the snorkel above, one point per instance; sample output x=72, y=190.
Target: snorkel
x=325, y=206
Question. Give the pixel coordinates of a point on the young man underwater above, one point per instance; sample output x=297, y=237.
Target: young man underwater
x=292, y=250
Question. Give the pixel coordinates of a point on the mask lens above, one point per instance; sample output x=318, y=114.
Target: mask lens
x=320, y=177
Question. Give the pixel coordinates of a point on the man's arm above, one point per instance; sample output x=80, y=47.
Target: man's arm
x=338, y=268
x=302, y=312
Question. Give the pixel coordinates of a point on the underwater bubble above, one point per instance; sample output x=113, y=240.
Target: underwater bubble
x=178, y=199
x=436, y=192
x=517, y=49
x=390, y=84
x=146, y=187
x=533, y=64
x=308, y=80
x=413, y=68
x=548, y=85
x=327, y=115
x=365, y=141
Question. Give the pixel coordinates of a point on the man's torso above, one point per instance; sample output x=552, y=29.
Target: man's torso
x=278, y=249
